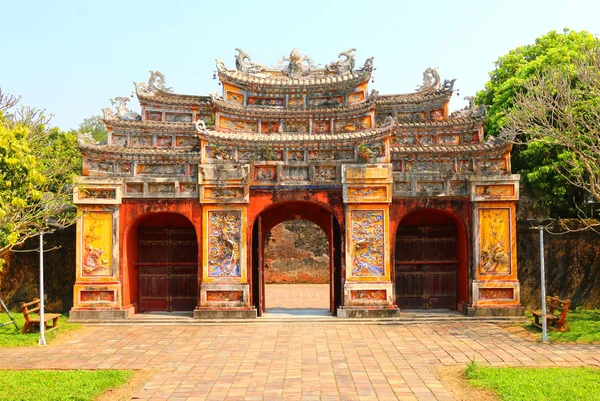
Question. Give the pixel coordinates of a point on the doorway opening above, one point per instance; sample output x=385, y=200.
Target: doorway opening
x=430, y=261
x=296, y=261
x=167, y=264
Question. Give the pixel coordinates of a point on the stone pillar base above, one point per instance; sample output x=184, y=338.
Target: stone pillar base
x=494, y=311
x=356, y=312
x=99, y=314
x=225, y=313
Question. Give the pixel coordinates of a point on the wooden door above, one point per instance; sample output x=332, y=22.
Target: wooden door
x=426, y=267
x=168, y=270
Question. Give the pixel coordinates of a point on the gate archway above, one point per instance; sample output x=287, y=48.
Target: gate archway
x=296, y=210
x=430, y=261
x=165, y=266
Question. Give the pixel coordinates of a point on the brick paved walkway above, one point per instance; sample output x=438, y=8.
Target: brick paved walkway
x=312, y=361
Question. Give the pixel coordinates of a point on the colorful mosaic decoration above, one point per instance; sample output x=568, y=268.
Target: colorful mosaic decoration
x=224, y=243
x=496, y=293
x=367, y=243
x=97, y=296
x=224, y=296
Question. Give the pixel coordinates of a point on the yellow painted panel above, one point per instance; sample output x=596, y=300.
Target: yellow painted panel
x=495, y=245
x=97, y=244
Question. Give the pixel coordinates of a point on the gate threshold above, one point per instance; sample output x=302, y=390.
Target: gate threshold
x=296, y=313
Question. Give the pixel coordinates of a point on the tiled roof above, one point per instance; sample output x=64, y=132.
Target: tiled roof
x=319, y=82
x=491, y=147
x=150, y=125
x=451, y=123
x=290, y=112
x=139, y=153
x=416, y=97
x=159, y=96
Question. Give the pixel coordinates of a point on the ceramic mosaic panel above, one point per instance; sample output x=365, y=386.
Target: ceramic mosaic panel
x=403, y=186
x=437, y=115
x=492, y=165
x=223, y=193
x=449, y=139
x=354, y=124
x=160, y=169
x=321, y=155
x=224, y=243
x=325, y=173
x=470, y=137
x=367, y=192
x=265, y=101
x=296, y=173
x=164, y=141
x=324, y=101
x=295, y=126
x=119, y=140
x=238, y=125
x=296, y=101
x=134, y=188
x=161, y=188
x=186, y=141
x=187, y=187
x=295, y=155
x=458, y=187
x=224, y=296
x=368, y=295
x=235, y=97
x=436, y=186
x=105, y=167
x=494, y=191
x=179, y=117
x=356, y=97
x=154, y=115
x=138, y=141
x=321, y=126
x=494, y=245
x=344, y=154
x=265, y=173
x=367, y=243
x=97, y=244
x=97, y=193
x=97, y=296
x=465, y=166
x=269, y=126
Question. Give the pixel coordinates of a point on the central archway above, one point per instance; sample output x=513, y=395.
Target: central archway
x=296, y=210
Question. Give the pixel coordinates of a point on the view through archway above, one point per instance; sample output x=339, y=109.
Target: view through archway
x=297, y=267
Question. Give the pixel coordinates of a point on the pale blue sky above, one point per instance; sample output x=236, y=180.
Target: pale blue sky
x=70, y=57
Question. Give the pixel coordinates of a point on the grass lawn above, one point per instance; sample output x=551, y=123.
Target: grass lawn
x=55, y=385
x=537, y=384
x=584, y=325
x=11, y=337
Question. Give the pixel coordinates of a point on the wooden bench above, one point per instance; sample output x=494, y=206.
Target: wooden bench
x=30, y=321
x=556, y=314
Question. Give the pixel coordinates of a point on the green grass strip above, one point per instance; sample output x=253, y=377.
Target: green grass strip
x=59, y=385
x=584, y=327
x=11, y=337
x=537, y=384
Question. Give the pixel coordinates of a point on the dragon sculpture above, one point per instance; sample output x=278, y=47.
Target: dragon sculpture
x=471, y=110
x=157, y=81
x=431, y=81
x=296, y=66
x=123, y=113
x=345, y=64
x=243, y=63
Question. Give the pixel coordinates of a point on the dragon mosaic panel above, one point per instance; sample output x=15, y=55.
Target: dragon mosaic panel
x=97, y=243
x=367, y=243
x=224, y=243
x=494, y=242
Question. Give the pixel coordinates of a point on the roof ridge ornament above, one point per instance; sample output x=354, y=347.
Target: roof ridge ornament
x=431, y=81
x=244, y=63
x=368, y=66
x=343, y=65
x=471, y=110
x=156, y=82
x=123, y=113
x=297, y=66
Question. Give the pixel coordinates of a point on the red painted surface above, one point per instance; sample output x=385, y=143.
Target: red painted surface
x=134, y=214
x=431, y=211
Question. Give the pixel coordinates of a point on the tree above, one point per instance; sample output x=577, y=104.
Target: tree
x=37, y=166
x=95, y=126
x=538, y=161
x=560, y=113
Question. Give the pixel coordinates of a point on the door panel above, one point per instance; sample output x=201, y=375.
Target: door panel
x=426, y=267
x=168, y=270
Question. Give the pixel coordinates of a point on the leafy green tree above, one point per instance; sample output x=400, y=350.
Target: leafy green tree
x=95, y=126
x=558, y=54
x=37, y=167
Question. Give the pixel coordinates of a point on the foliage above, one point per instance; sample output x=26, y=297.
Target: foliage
x=268, y=153
x=72, y=385
x=10, y=337
x=536, y=66
x=37, y=166
x=364, y=153
x=584, y=327
x=549, y=384
x=95, y=126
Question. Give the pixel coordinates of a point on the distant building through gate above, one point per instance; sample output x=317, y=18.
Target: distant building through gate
x=418, y=209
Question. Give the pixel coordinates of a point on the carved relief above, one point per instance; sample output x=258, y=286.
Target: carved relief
x=295, y=126
x=426, y=139
x=367, y=246
x=458, y=187
x=494, y=241
x=496, y=293
x=134, y=188
x=161, y=169
x=368, y=295
x=465, y=166
x=325, y=173
x=125, y=167
x=238, y=125
x=367, y=192
x=495, y=190
x=223, y=193
x=219, y=152
x=449, y=139
x=296, y=102
x=97, y=241
x=321, y=126
x=105, y=167
x=186, y=141
x=396, y=165
x=161, y=188
x=402, y=186
x=224, y=296
x=224, y=243
x=265, y=173
x=430, y=186
x=437, y=115
x=344, y=154
x=97, y=296
x=154, y=115
x=97, y=193
x=296, y=173
x=119, y=140
x=164, y=141
x=410, y=117
x=404, y=140
x=138, y=141
x=355, y=124
x=269, y=126
x=324, y=101
x=295, y=155
x=321, y=155
x=470, y=137
x=187, y=187
x=493, y=165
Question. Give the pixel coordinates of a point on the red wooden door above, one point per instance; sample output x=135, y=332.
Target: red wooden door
x=426, y=267
x=168, y=270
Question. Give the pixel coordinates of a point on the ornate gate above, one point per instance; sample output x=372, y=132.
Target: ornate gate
x=168, y=270
x=426, y=265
